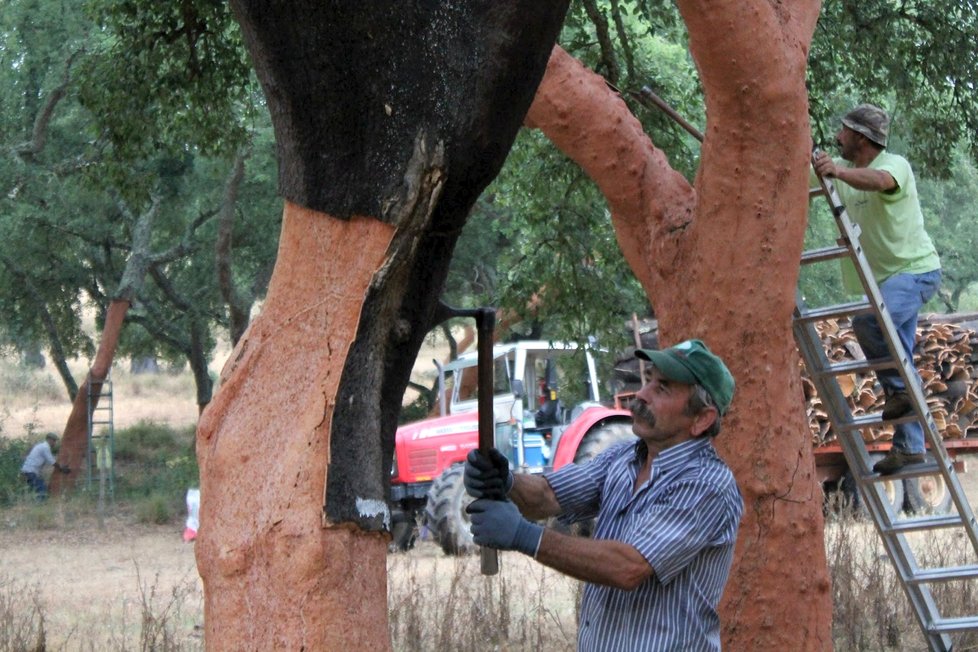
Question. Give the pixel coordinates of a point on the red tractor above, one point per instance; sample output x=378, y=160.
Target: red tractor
x=533, y=428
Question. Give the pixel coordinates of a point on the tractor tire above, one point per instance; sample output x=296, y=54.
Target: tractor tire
x=445, y=513
x=927, y=495
x=404, y=533
x=892, y=489
x=599, y=439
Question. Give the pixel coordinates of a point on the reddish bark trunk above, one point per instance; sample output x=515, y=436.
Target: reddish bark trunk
x=74, y=439
x=270, y=563
x=719, y=261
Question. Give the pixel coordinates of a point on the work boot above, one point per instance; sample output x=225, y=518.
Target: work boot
x=895, y=460
x=897, y=404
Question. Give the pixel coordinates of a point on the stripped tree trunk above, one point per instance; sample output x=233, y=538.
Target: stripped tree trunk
x=74, y=439
x=390, y=119
x=719, y=261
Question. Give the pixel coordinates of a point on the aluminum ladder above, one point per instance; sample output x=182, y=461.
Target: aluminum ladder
x=892, y=527
x=101, y=437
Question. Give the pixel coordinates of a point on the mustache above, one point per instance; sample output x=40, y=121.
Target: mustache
x=641, y=412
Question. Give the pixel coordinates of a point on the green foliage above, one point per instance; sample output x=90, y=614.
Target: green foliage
x=102, y=113
x=154, y=467
x=12, y=454
x=915, y=58
x=156, y=509
x=551, y=249
x=948, y=207
x=164, y=74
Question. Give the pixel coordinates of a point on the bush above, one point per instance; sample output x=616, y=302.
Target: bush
x=156, y=508
x=12, y=454
x=155, y=459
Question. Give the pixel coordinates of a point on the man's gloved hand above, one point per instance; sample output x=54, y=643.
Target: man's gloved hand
x=487, y=476
x=499, y=524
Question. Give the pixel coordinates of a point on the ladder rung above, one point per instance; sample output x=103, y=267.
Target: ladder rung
x=858, y=366
x=927, y=467
x=834, y=312
x=824, y=253
x=945, y=574
x=950, y=625
x=872, y=419
x=922, y=523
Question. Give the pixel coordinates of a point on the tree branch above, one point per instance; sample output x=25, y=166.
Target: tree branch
x=27, y=151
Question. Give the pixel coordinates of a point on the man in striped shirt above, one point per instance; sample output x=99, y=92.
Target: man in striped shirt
x=667, y=511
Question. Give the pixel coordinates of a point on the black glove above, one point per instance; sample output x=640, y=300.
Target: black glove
x=487, y=476
x=499, y=524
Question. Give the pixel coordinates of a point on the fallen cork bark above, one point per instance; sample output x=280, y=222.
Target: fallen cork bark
x=945, y=355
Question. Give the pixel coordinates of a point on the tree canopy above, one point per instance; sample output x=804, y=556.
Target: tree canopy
x=109, y=104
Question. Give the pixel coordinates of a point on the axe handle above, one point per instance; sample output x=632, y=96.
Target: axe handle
x=485, y=322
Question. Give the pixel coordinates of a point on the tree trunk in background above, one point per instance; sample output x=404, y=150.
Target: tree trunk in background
x=719, y=261
x=390, y=120
x=74, y=439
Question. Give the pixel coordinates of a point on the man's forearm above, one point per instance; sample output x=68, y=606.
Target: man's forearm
x=534, y=496
x=599, y=561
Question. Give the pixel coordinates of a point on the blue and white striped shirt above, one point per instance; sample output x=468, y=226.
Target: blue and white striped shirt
x=683, y=520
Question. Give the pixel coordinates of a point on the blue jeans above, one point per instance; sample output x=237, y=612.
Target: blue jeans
x=903, y=296
x=36, y=482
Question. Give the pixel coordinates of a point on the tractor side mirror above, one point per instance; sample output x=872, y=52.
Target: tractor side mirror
x=518, y=390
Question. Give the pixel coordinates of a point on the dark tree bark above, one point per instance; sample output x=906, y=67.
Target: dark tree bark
x=390, y=119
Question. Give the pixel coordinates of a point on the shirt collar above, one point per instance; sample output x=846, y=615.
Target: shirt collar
x=674, y=456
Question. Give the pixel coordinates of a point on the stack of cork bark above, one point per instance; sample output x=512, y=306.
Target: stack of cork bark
x=946, y=356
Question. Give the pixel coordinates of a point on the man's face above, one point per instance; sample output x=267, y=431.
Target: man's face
x=659, y=409
x=848, y=141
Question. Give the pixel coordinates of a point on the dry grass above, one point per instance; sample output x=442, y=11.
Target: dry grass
x=870, y=609
x=443, y=604
x=136, y=588
x=67, y=585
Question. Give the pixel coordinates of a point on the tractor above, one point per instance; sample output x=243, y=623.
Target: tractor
x=533, y=428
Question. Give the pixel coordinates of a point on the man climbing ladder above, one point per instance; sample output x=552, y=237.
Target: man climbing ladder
x=880, y=194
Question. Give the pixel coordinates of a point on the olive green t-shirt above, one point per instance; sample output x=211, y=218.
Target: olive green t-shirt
x=891, y=223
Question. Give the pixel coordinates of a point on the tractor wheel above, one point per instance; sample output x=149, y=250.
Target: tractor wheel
x=597, y=440
x=445, y=512
x=892, y=490
x=928, y=494
x=404, y=533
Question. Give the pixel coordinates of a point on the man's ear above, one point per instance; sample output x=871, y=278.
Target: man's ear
x=702, y=421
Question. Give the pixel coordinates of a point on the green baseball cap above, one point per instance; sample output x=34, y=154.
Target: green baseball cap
x=691, y=362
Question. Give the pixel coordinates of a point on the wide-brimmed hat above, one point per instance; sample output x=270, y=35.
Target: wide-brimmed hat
x=870, y=121
x=691, y=362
